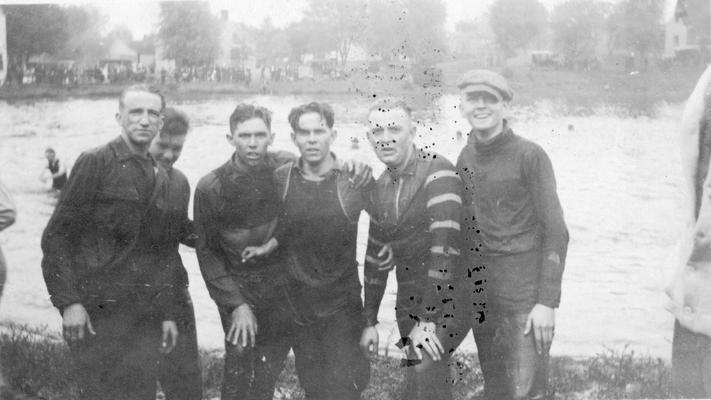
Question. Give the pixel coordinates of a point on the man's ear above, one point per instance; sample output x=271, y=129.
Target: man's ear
x=118, y=117
x=293, y=137
x=271, y=138
x=334, y=134
x=230, y=138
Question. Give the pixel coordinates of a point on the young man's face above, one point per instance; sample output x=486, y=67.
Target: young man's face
x=483, y=110
x=251, y=139
x=391, y=134
x=50, y=155
x=166, y=149
x=140, y=117
x=313, y=138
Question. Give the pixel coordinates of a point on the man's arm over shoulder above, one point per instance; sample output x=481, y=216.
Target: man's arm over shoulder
x=222, y=286
x=281, y=178
x=8, y=212
x=66, y=226
x=541, y=182
x=187, y=229
x=443, y=190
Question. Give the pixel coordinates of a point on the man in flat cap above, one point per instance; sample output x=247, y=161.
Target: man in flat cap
x=515, y=233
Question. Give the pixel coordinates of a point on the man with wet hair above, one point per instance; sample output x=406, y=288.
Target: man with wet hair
x=416, y=219
x=179, y=371
x=317, y=231
x=236, y=211
x=516, y=233
x=107, y=257
x=236, y=208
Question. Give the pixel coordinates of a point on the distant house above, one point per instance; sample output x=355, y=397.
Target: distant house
x=680, y=39
x=236, y=44
x=3, y=47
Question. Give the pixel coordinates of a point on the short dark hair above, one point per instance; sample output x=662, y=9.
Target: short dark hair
x=322, y=109
x=49, y=150
x=244, y=112
x=390, y=103
x=175, y=122
x=142, y=87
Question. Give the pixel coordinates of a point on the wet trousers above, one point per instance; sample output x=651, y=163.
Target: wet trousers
x=119, y=362
x=179, y=371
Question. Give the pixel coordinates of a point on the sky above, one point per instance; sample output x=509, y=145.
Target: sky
x=141, y=16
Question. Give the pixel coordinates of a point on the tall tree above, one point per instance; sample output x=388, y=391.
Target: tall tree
x=336, y=25
x=34, y=29
x=84, y=33
x=516, y=23
x=578, y=26
x=636, y=25
x=189, y=32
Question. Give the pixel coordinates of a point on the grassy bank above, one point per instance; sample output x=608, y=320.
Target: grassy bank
x=37, y=364
x=573, y=91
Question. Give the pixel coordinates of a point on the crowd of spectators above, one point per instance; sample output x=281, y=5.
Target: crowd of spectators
x=124, y=73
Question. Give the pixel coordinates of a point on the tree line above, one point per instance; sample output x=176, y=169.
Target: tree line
x=576, y=27
x=403, y=31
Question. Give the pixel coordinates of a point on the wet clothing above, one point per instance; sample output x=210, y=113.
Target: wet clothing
x=119, y=362
x=318, y=230
x=108, y=240
x=110, y=245
x=58, y=182
x=252, y=373
x=418, y=212
x=237, y=206
x=328, y=358
x=512, y=207
x=517, y=236
x=179, y=371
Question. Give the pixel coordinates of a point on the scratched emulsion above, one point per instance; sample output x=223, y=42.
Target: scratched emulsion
x=618, y=177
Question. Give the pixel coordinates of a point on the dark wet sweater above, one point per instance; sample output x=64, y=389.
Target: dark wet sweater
x=511, y=208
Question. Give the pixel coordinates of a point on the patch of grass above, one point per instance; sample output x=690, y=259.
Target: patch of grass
x=36, y=362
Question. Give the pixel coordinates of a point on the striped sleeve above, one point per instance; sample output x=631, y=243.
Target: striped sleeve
x=375, y=279
x=443, y=190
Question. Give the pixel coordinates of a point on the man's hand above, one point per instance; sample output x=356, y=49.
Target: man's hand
x=75, y=323
x=369, y=341
x=360, y=173
x=388, y=262
x=252, y=252
x=424, y=336
x=170, y=337
x=243, y=330
x=541, y=322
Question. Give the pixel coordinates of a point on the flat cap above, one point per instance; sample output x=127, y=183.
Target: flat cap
x=484, y=79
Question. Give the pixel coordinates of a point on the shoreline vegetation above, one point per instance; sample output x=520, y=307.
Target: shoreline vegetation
x=575, y=92
x=36, y=363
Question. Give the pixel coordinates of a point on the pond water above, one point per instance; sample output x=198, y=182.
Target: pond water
x=618, y=180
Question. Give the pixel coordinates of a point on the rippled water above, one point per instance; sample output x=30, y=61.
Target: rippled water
x=618, y=180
